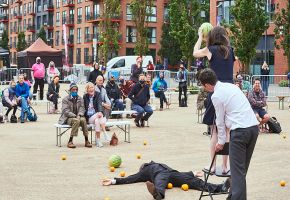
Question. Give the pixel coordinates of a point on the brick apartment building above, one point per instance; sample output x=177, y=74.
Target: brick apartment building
x=81, y=19
x=265, y=49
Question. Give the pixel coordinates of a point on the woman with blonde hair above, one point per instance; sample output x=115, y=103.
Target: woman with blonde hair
x=9, y=100
x=94, y=112
x=51, y=71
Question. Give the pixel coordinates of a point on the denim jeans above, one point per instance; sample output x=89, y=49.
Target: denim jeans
x=118, y=105
x=161, y=95
x=141, y=110
x=265, y=86
x=24, y=107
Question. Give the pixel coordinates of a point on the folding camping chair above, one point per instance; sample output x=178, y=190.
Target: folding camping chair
x=218, y=173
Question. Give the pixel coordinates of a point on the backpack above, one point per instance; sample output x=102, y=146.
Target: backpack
x=31, y=115
x=274, y=125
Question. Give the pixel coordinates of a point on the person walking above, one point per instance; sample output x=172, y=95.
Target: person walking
x=159, y=87
x=38, y=74
x=265, y=71
x=182, y=86
x=232, y=108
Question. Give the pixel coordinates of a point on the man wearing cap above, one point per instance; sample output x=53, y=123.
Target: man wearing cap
x=73, y=111
x=38, y=74
x=246, y=85
x=53, y=94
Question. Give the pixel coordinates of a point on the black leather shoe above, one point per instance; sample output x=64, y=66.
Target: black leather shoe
x=137, y=123
x=226, y=185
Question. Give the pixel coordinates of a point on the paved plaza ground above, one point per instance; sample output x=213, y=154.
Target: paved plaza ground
x=31, y=167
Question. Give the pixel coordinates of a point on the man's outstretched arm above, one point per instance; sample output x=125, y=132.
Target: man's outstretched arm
x=135, y=178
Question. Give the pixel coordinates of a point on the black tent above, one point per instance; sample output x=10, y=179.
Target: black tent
x=26, y=58
x=5, y=57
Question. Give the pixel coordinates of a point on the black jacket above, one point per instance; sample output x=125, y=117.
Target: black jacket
x=93, y=75
x=97, y=101
x=53, y=89
x=113, y=91
x=142, y=98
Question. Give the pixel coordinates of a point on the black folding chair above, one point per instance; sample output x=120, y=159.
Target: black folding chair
x=218, y=172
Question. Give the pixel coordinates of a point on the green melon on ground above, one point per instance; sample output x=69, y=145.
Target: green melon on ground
x=115, y=161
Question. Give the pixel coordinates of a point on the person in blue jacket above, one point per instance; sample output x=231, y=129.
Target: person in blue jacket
x=22, y=94
x=159, y=87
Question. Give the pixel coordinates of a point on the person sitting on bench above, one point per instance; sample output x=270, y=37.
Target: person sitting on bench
x=125, y=88
x=159, y=87
x=22, y=94
x=73, y=111
x=257, y=100
x=53, y=94
x=9, y=100
x=114, y=94
x=158, y=175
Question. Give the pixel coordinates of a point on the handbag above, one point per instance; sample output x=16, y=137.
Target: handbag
x=274, y=125
x=114, y=140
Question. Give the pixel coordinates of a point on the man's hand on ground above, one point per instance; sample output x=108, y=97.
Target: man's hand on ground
x=219, y=147
x=106, y=182
x=198, y=174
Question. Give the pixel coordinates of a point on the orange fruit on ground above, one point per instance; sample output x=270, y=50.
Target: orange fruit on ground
x=283, y=183
x=107, y=198
x=122, y=174
x=169, y=186
x=284, y=136
x=112, y=169
x=63, y=157
x=184, y=187
x=145, y=143
x=138, y=156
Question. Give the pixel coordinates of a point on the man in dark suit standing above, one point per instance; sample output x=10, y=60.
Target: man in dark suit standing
x=158, y=175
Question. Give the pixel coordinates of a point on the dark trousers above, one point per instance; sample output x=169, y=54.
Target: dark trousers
x=161, y=95
x=182, y=88
x=242, y=144
x=5, y=104
x=54, y=99
x=40, y=83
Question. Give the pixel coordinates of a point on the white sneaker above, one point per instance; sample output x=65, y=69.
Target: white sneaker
x=107, y=137
x=99, y=144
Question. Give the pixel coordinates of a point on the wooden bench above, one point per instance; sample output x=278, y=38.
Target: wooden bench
x=281, y=101
x=61, y=129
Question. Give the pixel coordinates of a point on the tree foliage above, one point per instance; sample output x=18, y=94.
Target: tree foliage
x=141, y=10
x=5, y=40
x=109, y=36
x=21, y=44
x=185, y=20
x=282, y=31
x=42, y=34
x=250, y=22
x=169, y=46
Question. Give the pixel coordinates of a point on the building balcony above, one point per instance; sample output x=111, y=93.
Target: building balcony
x=49, y=8
x=90, y=37
x=70, y=21
x=31, y=12
x=69, y=3
x=15, y=30
x=31, y=28
x=93, y=18
x=50, y=27
x=4, y=3
x=18, y=1
x=17, y=15
x=4, y=18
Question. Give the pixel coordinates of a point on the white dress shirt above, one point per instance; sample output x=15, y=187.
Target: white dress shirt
x=233, y=109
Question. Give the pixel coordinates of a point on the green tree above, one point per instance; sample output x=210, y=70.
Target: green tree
x=21, y=44
x=5, y=40
x=42, y=34
x=169, y=47
x=185, y=20
x=141, y=10
x=110, y=30
x=250, y=22
x=282, y=30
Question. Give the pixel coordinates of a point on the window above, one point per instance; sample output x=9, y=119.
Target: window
x=57, y=20
x=152, y=14
x=24, y=9
x=86, y=55
x=152, y=35
x=223, y=11
x=130, y=34
x=57, y=38
x=29, y=22
x=119, y=64
x=57, y=3
x=71, y=16
x=29, y=8
x=79, y=12
x=62, y=41
x=79, y=36
x=87, y=34
x=166, y=15
x=39, y=5
x=44, y=20
x=79, y=1
x=128, y=12
x=96, y=10
x=64, y=17
x=79, y=55
x=24, y=25
x=271, y=10
x=38, y=22
x=87, y=12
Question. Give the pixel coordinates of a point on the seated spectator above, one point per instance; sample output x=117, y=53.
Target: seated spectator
x=94, y=112
x=140, y=96
x=53, y=94
x=125, y=88
x=22, y=94
x=51, y=72
x=245, y=85
x=73, y=114
x=106, y=103
x=1, y=113
x=148, y=80
x=9, y=100
x=159, y=87
x=257, y=100
x=114, y=94
x=95, y=73
x=150, y=66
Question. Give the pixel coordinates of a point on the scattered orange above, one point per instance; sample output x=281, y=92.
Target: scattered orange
x=112, y=169
x=138, y=156
x=184, y=187
x=145, y=143
x=122, y=174
x=63, y=157
x=107, y=198
x=283, y=183
x=169, y=186
x=284, y=136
